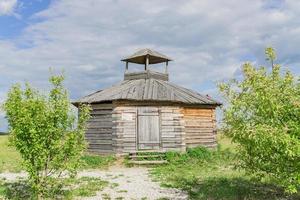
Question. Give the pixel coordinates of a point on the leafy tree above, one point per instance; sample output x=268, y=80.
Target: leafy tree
x=263, y=117
x=42, y=128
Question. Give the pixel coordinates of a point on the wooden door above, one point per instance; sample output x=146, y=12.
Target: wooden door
x=148, y=128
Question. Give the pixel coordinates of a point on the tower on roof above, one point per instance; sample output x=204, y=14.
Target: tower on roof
x=146, y=57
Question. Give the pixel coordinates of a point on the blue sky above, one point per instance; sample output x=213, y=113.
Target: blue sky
x=208, y=40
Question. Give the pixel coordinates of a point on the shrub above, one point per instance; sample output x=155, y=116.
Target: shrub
x=201, y=153
x=198, y=154
x=262, y=115
x=42, y=130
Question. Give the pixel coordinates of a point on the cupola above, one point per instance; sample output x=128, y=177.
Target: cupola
x=146, y=57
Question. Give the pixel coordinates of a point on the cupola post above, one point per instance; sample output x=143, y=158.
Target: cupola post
x=147, y=62
x=126, y=68
x=166, y=69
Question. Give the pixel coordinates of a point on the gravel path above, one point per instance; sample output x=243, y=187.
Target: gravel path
x=128, y=183
x=132, y=183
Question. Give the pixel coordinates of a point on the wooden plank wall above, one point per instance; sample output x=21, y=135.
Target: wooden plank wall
x=99, y=132
x=200, y=127
x=124, y=129
x=113, y=128
x=172, y=129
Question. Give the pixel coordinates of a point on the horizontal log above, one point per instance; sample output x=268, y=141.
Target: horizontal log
x=209, y=145
x=96, y=120
x=197, y=123
x=101, y=137
x=102, y=106
x=193, y=117
x=172, y=123
x=198, y=129
x=98, y=126
x=98, y=141
x=98, y=135
x=101, y=131
x=200, y=142
x=100, y=146
x=99, y=151
x=101, y=112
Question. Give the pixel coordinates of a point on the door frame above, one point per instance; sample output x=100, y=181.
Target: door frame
x=137, y=127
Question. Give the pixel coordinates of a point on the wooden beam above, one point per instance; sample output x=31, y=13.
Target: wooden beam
x=166, y=69
x=147, y=62
x=126, y=66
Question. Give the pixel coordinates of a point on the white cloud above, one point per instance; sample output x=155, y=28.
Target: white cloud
x=7, y=7
x=209, y=40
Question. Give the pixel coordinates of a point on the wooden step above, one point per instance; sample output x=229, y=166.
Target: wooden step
x=146, y=156
x=148, y=151
x=147, y=162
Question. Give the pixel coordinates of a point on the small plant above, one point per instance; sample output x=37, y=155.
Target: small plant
x=42, y=129
x=106, y=197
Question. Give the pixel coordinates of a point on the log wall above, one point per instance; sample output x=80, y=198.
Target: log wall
x=124, y=129
x=99, y=129
x=200, y=127
x=113, y=128
x=172, y=128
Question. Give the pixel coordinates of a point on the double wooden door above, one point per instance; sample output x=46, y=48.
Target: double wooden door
x=148, y=128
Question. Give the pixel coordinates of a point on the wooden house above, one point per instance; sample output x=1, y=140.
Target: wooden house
x=147, y=112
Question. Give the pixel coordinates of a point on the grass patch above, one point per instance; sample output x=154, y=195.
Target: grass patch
x=210, y=174
x=67, y=189
x=97, y=161
x=10, y=159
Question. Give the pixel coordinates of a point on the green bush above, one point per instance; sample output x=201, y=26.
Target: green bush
x=42, y=129
x=262, y=115
x=201, y=153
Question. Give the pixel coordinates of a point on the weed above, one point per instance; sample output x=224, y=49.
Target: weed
x=114, y=185
x=106, y=196
x=122, y=191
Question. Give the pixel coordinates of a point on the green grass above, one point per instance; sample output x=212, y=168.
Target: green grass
x=10, y=159
x=206, y=174
x=97, y=162
x=67, y=189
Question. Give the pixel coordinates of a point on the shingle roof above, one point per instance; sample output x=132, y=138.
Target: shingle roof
x=148, y=90
x=154, y=57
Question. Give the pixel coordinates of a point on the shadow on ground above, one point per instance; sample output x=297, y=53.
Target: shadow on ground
x=235, y=188
x=15, y=190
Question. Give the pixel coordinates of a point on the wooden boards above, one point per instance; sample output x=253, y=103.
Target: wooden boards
x=172, y=129
x=200, y=127
x=99, y=132
x=124, y=129
x=117, y=128
x=148, y=127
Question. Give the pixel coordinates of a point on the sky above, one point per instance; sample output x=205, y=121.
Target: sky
x=208, y=40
